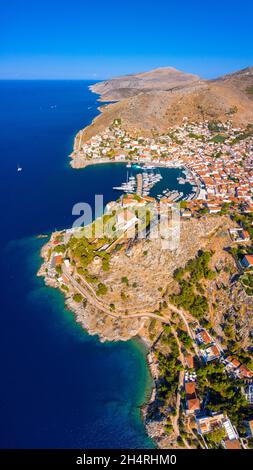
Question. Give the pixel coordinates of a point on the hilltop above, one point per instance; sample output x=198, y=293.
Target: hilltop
x=163, y=79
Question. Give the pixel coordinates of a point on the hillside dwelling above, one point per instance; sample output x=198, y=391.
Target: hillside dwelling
x=244, y=373
x=247, y=261
x=206, y=424
x=211, y=353
x=189, y=361
x=232, y=444
x=245, y=236
x=204, y=337
x=63, y=280
x=186, y=214
x=193, y=406
x=239, y=235
x=231, y=363
x=213, y=208
x=56, y=260
x=192, y=401
x=248, y=393
x=190, y=389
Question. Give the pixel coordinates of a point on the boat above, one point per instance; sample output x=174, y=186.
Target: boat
x=129, y=165
x=19, y=168
x=138, y=167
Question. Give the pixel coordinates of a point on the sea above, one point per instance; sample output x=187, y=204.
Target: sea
x=59, y=387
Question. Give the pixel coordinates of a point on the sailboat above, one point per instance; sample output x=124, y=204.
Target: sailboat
x=19, y=168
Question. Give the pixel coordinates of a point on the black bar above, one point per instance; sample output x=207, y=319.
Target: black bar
x=113, y=458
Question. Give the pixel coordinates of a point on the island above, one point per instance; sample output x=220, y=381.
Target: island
x=190, y=301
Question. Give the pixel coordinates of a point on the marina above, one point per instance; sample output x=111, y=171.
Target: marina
x=149, y=180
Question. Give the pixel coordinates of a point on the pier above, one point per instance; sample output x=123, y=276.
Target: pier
x=139, y=184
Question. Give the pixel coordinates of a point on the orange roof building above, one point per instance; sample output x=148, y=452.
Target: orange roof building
x=232, y=444
x=193, y=405
x=248, y=261
x=189, y=361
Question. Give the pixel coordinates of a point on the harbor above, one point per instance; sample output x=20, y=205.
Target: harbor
x=149, y=180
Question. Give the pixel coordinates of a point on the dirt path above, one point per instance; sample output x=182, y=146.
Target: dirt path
x=175, y=418
x=96, y=302
x=87, y=291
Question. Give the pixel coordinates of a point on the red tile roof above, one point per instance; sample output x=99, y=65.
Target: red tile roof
x=58, y=260
x=193, y=404
x=190, y=388
x=205, y=337
x=189, y=361
x=232, y=444
x=249, y=258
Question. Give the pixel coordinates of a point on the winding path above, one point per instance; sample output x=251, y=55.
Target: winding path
x=90, y=294
x=87, y=291
x=92, y=297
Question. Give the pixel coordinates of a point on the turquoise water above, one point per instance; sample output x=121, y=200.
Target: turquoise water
x=59, y=387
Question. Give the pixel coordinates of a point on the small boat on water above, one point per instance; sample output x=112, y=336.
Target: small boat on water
x=149, y=167
x=19, y=168
x=137, y=167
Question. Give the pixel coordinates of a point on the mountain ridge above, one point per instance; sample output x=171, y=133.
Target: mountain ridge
x=163, y=78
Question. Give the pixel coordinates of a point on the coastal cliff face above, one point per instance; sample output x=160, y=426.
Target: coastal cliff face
x=163, y=97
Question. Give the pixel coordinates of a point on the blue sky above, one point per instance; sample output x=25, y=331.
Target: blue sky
x=80, y=39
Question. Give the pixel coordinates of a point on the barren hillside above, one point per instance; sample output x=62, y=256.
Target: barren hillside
x=163, y=97
x=241, y=80
x=166, y=79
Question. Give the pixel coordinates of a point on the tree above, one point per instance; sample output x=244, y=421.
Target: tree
x=77, y=297
x=217, y=435
x=102, y=289
x=183, y=204
x=58, y=269
x=60, y=249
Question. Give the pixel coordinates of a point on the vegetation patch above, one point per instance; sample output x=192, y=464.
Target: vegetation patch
x=189, y=278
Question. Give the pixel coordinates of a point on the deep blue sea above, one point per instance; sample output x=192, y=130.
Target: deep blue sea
x=59, y=388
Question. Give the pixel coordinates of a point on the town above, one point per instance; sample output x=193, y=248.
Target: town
x=218, y=157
